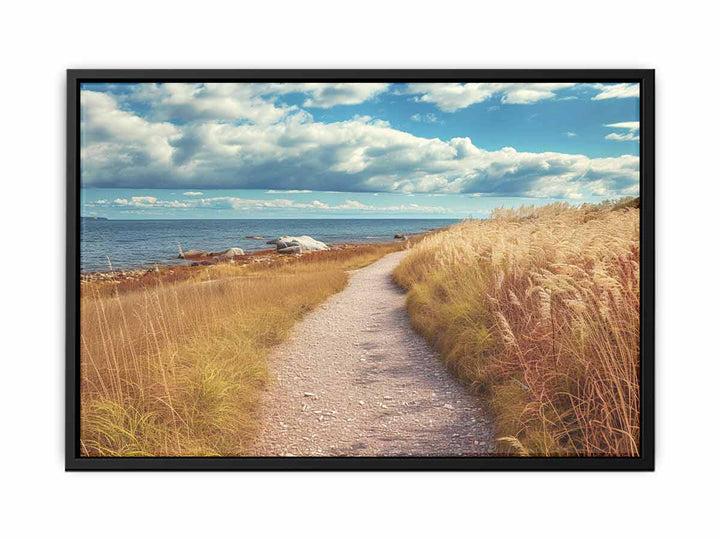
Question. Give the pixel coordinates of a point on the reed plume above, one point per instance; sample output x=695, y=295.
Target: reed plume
x=539, y=308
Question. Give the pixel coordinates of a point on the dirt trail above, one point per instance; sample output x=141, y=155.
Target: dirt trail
x=356, y=380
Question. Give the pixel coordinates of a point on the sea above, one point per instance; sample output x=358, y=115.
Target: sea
x=130, y=244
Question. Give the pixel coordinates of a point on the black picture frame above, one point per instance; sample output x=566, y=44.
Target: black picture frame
x=646, y=460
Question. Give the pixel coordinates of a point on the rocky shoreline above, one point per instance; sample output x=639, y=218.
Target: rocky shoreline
x=184, y=265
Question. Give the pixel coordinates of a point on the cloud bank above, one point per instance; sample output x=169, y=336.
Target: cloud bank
x=236, y=136
x=246, y=204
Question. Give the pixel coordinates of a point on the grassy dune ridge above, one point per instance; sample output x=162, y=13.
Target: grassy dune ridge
x=539, y=309
x=175, y=366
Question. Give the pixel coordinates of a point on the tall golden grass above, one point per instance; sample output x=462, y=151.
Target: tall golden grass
x=539, y=308
x=175, y=367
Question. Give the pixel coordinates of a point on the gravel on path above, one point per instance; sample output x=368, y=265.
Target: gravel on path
x=354, y=379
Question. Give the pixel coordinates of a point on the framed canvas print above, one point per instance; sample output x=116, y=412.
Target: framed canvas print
x=373, y=269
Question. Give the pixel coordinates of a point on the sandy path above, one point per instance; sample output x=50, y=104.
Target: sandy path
x=377, y=388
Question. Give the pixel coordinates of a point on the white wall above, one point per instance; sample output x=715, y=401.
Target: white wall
x=40, y=42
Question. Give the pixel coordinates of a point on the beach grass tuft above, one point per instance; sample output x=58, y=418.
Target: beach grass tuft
x=538, y=308
x=173, y=367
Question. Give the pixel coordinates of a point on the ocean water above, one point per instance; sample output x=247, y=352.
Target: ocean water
x=140, y=243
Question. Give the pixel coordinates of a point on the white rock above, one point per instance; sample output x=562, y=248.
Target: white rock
x=226, y=255
x=306, y=243
x=234, y=252
x=448, y=407
x=309, y=394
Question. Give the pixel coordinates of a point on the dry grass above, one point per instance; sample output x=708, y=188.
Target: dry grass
x=174, y=366
x=539, y=308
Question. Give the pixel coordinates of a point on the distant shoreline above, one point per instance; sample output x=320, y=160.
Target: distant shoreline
x=133, y=244
x=262, y=257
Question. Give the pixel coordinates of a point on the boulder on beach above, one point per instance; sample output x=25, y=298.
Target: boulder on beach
x=226, y=255
x=193, y=254
x=290, y=250
x=284, y=245
x=305, y=243
x=216, y=256
x=399, y=236
x=233, y=252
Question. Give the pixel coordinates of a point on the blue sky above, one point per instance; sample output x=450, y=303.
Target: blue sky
x=446, y=150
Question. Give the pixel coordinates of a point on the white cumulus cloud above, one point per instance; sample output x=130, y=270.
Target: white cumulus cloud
x=326, y=95
x=630, y=133
x=451, y=97
x=617, y=91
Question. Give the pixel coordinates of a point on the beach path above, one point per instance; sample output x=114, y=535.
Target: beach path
x=354, y=379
